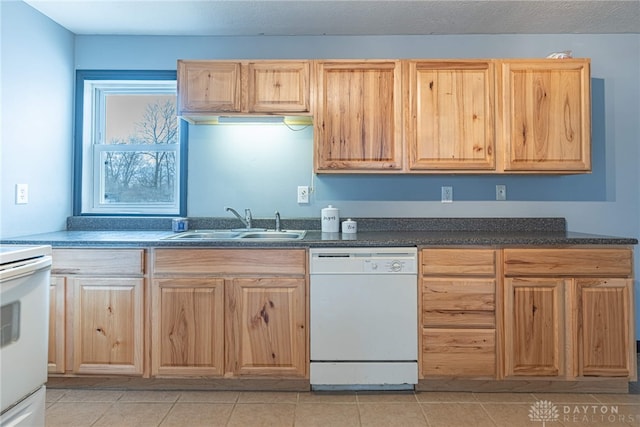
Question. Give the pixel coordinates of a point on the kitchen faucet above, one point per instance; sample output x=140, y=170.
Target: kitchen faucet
x=278, y=221
x=247, y=216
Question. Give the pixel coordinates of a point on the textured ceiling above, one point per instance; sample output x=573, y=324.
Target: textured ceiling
x=343, y=17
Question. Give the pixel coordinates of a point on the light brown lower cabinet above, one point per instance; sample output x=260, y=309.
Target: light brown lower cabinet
x=571, y=327
x=108, y=328
x=229, y=312
x=188, y=326
x=603, y=318
x=534, y=327
x=458, y=321
x=97, y=312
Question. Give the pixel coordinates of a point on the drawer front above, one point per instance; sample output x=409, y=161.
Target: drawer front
x=568, y=262
x=230, y=261
x=117, y=262
x=459, y=352
x=460, y=319
x=458, y=302
x=459, y=262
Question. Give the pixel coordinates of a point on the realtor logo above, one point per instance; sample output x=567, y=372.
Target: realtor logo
x=544, y=410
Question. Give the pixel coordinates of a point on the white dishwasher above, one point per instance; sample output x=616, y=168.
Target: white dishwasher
x=363, y=318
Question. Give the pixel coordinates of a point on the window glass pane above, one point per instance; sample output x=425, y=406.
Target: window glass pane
x=138, y=177
x=131, y=160
x=140, y=119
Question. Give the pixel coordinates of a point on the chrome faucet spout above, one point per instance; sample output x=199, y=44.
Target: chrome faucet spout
x=246, y=221
x=247, y=218
x=278, y=221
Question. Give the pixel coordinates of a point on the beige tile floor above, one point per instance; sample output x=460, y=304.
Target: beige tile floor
x=114, y=408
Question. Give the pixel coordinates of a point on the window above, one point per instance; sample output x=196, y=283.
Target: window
x=130, y=157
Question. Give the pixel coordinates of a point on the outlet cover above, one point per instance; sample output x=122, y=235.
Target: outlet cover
x=22, y=194
x=303, y=194
x=447, y=194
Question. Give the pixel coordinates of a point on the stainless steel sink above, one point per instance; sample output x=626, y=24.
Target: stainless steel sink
x=275, y=235
x=252, y=234
x=205, y=234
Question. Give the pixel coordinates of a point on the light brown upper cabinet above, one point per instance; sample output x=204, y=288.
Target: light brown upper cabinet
x=358, y=120
x=208, y=87
x=278, y=87
x=545, y=115
x=223, y=87
x=450, y=122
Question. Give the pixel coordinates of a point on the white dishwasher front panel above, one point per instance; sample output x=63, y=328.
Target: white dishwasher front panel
x=364, y=317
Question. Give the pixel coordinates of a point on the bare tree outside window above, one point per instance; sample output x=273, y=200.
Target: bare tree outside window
x=140, y=164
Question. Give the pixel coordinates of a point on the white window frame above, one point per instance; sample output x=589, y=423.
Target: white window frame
x=93, y=147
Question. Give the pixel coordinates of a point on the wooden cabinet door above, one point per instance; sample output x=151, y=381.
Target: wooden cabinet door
x=209, y=86
x=278, y=87
x=266, y=327
x=534, y=341
x=546, y=115
x=107, y=322
x=451, y=115
x=57, y=318
x=604, y=317
x=358, y=124
x=188, y=326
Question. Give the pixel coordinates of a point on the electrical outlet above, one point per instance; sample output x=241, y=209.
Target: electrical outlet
x=447, y=194
x=303, y=194
x=501, y=192
x=22, y=194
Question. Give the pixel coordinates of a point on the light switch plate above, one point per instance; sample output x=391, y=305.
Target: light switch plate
x=501, y=192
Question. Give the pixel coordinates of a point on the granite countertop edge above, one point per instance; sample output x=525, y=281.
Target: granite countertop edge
x=313, y=238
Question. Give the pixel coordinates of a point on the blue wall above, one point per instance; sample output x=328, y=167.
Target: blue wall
x=605, y=201
x=36, y=107
x=231, y=166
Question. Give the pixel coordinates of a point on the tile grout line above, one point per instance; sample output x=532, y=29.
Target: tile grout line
x=495, y=423
x=173, y=404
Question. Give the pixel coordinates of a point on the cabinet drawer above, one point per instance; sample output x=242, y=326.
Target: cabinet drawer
x=459, y=352
x=568, y=262
x=119, y=262
x=459, y=262
x=230, y=261
x=458, y=302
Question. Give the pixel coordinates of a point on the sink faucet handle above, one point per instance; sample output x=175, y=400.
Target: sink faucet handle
x=247, y=217
x=277, y=221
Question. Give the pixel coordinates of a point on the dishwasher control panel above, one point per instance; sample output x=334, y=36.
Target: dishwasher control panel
x=388, y=265
x=363, y=261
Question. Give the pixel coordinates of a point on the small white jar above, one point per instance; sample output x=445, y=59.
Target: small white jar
x=349, y=226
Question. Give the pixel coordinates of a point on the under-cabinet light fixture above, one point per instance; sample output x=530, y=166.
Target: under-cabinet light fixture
x=250, y=120
x=261, y=120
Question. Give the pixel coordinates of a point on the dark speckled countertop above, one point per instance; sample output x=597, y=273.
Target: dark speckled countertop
x=151, y=232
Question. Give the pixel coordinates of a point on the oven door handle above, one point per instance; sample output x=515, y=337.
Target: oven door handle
x=26, y=269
